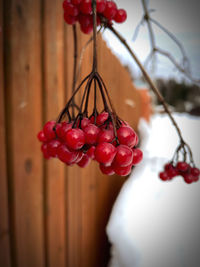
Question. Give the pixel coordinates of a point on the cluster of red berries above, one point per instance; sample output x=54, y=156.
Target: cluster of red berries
x=81, y=11
x=92, y=141
x=190, y=174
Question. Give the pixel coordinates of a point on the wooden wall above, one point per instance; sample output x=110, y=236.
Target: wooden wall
x=50, y=215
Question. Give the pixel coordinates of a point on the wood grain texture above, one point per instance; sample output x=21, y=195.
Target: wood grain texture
x=5, y=259
x=23, y=113
x=54, y=99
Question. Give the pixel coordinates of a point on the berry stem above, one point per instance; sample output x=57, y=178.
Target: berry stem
x=94, y=14
x=74, y=69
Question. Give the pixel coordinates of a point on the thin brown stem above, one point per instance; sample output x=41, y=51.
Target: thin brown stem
x=148, y=79
x=94, y=14
x=74, y=69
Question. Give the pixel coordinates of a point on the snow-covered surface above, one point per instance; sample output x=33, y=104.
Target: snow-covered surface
x=155, y=223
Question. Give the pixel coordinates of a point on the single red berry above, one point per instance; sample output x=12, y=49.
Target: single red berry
x=85, y=20
x=105, y=153
x=126, y=136
x=91, y=152
x=48, y=130
x=85, y=122
x=137, y=156
x=120, y=16
x=110, y=10
x=84, y=162
x=86, y=7
x=87, y=30
x=102, y=117
x=52, y=147
x=80, y=156
x=122, y=171
x=168, y=166
x=70, y=19
x=164, y=176
x=71, y=10
x=76, y=2
x=66, y=155
x=61, y=131
x=195, y=178
x=172, y=173
x=124, y=156
x=105, y=136
x=91, y=134
x=108, y=170
x=45, y=151
x=75, y=138
x=182, y=166
x=101, y=5
x=188, y=178
x=195, y=171
x=41, y=137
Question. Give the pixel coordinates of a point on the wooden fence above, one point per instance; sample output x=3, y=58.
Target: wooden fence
x=50, y=215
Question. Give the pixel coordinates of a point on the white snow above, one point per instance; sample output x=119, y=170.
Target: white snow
x=155, y=223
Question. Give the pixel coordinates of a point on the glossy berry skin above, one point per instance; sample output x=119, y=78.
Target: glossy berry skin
x=52, y=147
x=44, y=149
x=75, y=138
x=80, y=156
x=84, y=162
x=66, y=155
x=124, y=156
x=105, y=136
x=85, y=122
x=71, y=10
x=48, y=130
x=102, y=117
x=86, y=7
x=195, y=171
x=105, y=153
x=101, y=5
x=91, y=134
x=120, y=16
x=122, y=171
x=70, y=19
x=108, y=170
x=137, y=156
x=126, y=136
x=110, y=10
x=163, y=176
x=91, y=152
x=41, y=137
x=61, y=131
x=182, y=166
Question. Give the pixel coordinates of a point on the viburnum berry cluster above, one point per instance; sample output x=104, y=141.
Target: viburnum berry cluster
x=102, y=137
x=81, y=11
x=182, y=168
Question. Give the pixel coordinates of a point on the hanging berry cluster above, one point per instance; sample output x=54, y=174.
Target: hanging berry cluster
x=81, y=11
x=184, y=168
x=102, y=137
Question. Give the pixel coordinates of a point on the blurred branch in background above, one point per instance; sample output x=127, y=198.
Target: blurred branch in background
x=184, y=65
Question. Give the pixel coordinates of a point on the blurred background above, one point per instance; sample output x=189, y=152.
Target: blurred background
x=50, y=214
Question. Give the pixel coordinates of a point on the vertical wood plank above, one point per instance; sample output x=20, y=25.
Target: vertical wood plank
x=54, y=102
x=23, y=113
x=5, y=259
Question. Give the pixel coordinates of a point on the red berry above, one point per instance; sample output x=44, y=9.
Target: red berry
x=168, y=166
x=110, y=10
x=188, y=178
x=172, y=173
x=86, y=30
x=124, y=156
x=102, y=117
x=105, y=153
x=101, y=5
x=85, y=20
x=41, y=137
x=45, y=151
x=61, y=131
x=66, y=155
x=76, y=2
x=163, y=176
x=71, y=10
x=70, y=19
x=80, y=156
x=195, y=171
x=120, y=16
x=182, y=166
x=85, y=122
x=84, y=161
x=52, y=147
x=75, y=138
x=48, y=130
x=91, y=152
x=122, y=171
x=86, y=7
x=126, y=136
x=137, y=156
x=91, y=134
x=108, y=170
x=65, y=4
x=105, y=136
